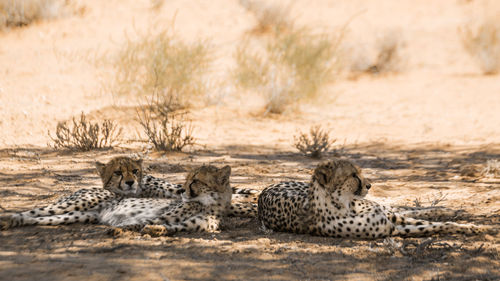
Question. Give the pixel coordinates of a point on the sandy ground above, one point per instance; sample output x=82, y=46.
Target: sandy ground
x=414, y=133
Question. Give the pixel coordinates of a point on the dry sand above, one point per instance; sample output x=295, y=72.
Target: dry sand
x=413, y=132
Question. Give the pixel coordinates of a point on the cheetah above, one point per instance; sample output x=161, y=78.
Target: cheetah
x=204, y=203
x=122, y=177
x=333, y=204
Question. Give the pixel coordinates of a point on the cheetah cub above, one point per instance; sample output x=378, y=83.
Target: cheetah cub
x=334, y=205
x=122, y=177
x=204, y=203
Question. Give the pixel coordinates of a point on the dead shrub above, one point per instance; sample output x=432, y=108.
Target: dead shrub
x=163, y=65
x=166, y=129
x=84, y=135
x=388, y=54
x=315, y=144
x=418, y=248
x=271, y=18
x=293, y=65
x=482, y=42
x=156, y=5
x=433, y=201
x=16, y=13
x=385, y=58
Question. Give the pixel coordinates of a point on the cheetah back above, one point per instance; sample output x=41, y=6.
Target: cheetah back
x=283, y=207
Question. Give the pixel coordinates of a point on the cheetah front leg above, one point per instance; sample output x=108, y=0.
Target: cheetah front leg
x=194, y=224
x=7, y=222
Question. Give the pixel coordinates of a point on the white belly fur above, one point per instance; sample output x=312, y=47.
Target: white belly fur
x=123, y=214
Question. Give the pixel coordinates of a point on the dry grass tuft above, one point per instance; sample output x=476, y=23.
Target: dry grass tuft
x=271, y=18
x=492, y=169
x=388, y=54
x=163, y=65
x=386, y=58
x=166, y=129
x=156, y=5
x=433, y=201
x=293, y=65
x=315, y=144
x=84, y=135
x=422, y=248
x=16, y=13
x=483, y=44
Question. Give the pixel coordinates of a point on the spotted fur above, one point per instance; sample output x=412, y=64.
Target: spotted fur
x=334, y=205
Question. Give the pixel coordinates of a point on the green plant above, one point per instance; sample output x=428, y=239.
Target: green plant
x=483, y=44
x=163, y=65
x=293, y=65
x=84, y=135
x=315, y=144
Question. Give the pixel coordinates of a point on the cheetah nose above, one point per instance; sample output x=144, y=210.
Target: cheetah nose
x=368, y=186
x=129, y=183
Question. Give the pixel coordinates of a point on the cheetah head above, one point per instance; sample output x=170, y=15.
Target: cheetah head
x=121, y=175
x=341, y=178
x=208, y=185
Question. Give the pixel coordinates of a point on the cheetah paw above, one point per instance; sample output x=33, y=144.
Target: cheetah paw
x=115, y=232
x=155, y=230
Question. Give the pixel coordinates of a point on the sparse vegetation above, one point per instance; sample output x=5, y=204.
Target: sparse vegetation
x=15, y=13
x=271, y=18
x=84, y=135
x=417, y=248
x=433, y=201
x=387, y=56
x=163, y=65
x=166, y=129
x=483, y=44
x=315, y=144
x=293, y=65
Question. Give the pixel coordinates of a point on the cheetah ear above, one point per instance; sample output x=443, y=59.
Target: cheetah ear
x=100, y=167
x=224, y=174
x=323, y=175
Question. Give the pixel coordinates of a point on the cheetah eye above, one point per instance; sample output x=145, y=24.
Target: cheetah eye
x=118, y=173
x=135, y=171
